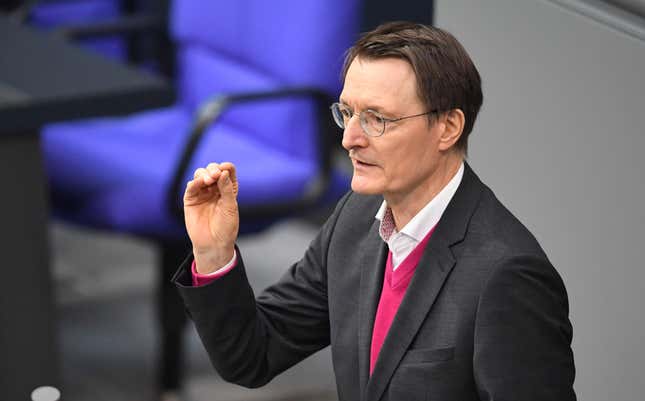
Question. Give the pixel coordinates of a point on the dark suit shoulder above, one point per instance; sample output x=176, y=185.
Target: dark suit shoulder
x=507, y=250
x=358, y=212
x=358, y=204
x=503, y=233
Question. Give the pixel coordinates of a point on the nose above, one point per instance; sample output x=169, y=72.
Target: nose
x=353, y=135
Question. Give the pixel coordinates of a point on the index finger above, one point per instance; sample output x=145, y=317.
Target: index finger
x=232, y=174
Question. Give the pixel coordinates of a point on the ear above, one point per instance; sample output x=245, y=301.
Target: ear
x=453, y=125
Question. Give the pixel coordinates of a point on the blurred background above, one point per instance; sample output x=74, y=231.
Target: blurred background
x=106, y=107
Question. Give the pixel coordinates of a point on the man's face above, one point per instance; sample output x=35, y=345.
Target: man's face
x=404, y=158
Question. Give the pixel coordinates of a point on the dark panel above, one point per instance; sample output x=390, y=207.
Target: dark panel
x=633, y=6
x=375, y=12
x=28, y=345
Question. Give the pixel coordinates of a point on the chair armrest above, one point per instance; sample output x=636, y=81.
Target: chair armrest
x=131, y=26
x=127, y=26
x=212, y=110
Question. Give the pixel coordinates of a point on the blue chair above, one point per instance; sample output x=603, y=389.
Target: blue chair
x=132, y=31
x=57, y=14
x=255, y=80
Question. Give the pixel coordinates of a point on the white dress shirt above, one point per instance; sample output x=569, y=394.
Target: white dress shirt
x=403, y=242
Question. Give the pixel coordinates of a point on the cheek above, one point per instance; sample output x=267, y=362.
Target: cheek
x=400, y=162
x=405, y=166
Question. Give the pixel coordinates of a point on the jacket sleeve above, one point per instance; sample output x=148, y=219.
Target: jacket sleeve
x=250, y=341
x=522, y=347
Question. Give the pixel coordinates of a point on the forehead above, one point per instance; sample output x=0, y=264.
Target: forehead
x=387, y=83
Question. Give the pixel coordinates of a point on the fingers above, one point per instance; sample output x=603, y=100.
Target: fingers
x=196, y=190
x=213, y=168
x=230, y=167
x=232, y=175
x=209, y=176
x=225, y=186
x=198, y=177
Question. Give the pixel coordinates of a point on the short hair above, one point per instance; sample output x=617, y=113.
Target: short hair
x=446, y=76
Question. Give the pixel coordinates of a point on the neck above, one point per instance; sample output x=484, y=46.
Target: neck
x=406, y=205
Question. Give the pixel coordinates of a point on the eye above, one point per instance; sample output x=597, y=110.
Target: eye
x=373, y=118
x=379, y=119
x=346, y=113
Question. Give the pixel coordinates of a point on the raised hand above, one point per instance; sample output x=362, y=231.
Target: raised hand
x=211, y=215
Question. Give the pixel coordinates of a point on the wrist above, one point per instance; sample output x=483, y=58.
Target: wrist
x=209, y=261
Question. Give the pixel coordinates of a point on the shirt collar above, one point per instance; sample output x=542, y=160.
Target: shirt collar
x=428, y=217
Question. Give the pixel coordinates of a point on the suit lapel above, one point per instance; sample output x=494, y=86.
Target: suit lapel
x=372, y=270
x=434, y=268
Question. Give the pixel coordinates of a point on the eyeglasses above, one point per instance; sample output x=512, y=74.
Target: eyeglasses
x=372, y=122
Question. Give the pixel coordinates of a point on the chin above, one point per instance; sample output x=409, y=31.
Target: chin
x=364, y=187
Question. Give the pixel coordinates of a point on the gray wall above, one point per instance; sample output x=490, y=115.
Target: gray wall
x=560, y=140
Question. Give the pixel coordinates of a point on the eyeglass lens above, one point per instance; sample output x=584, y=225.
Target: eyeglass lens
x=372, y=123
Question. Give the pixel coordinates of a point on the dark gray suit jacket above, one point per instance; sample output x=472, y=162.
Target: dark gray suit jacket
x=485, y=316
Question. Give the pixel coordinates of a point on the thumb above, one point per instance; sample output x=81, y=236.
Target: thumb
x=225, y=186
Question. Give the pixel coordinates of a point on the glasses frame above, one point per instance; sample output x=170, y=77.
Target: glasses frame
x=362, y=119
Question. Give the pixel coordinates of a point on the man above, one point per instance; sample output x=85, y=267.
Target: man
x=425, y=286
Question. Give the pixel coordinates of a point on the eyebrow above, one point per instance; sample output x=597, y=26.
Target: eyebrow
x=376, y=108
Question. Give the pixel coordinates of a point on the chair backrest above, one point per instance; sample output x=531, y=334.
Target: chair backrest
x=251, y=45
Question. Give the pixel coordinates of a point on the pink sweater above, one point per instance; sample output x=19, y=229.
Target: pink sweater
x=395, y=284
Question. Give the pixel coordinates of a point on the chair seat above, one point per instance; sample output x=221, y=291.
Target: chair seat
x=128, y=193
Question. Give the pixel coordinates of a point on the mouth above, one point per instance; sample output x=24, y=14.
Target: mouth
x=361, y=163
